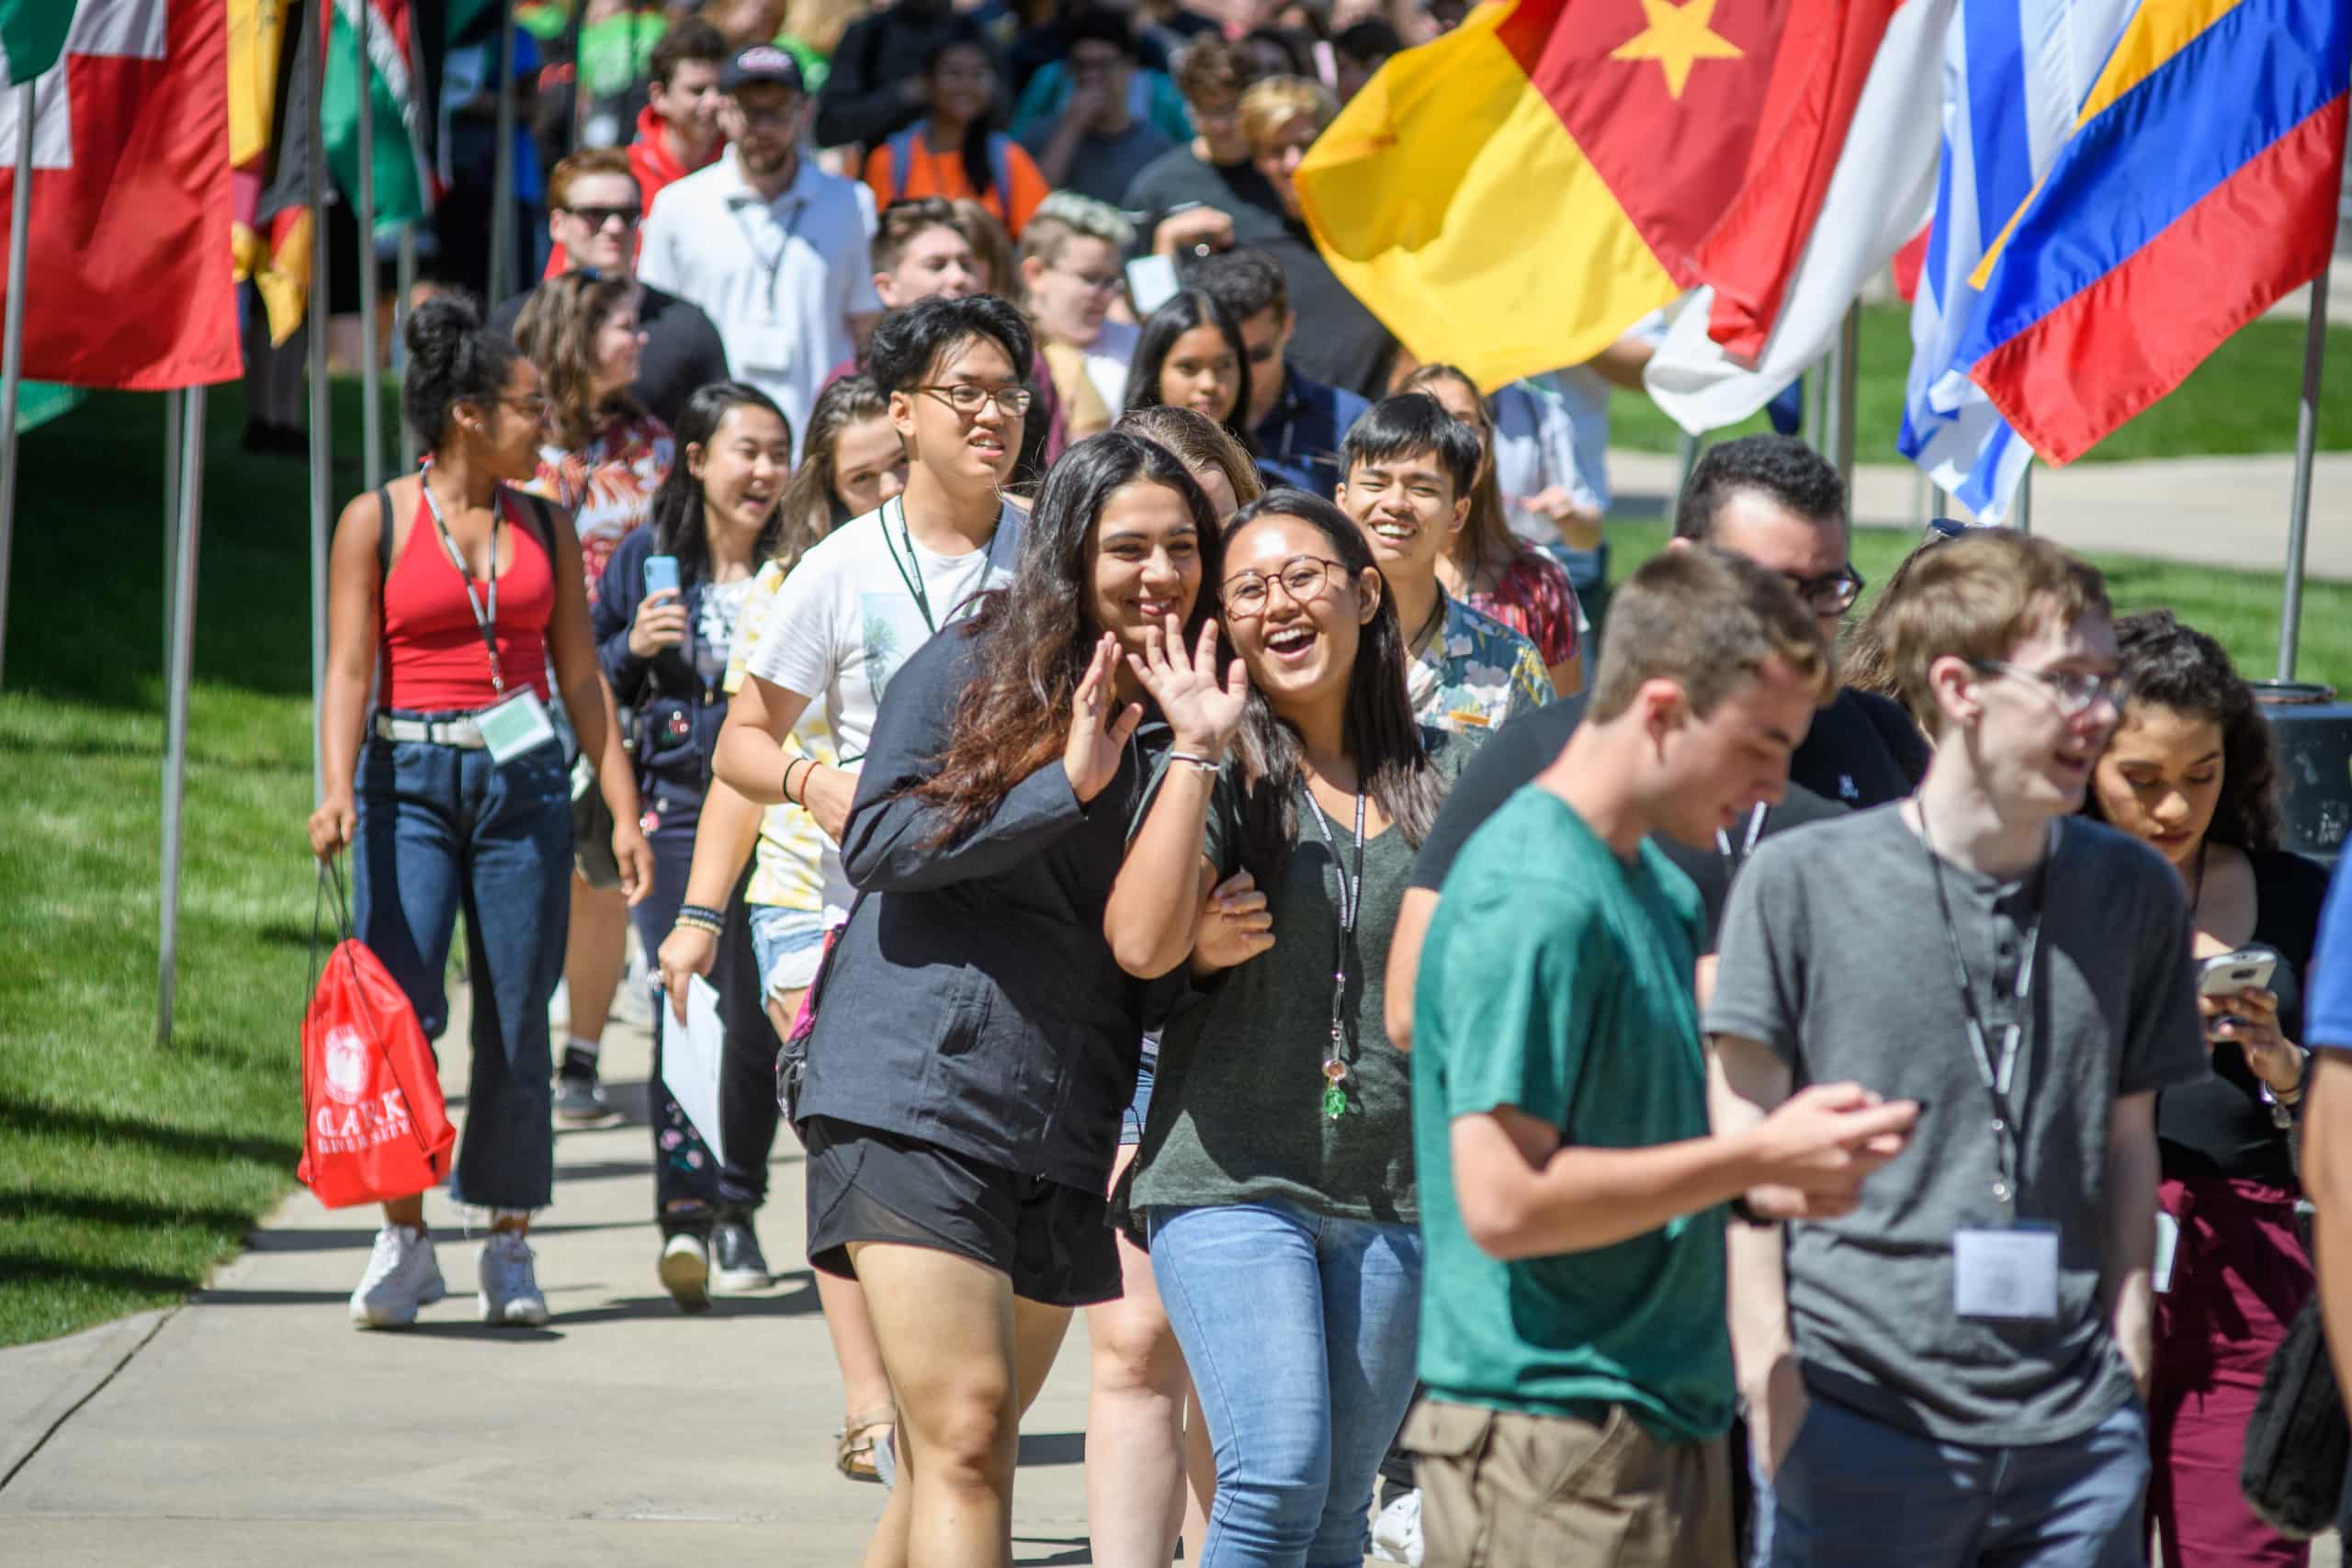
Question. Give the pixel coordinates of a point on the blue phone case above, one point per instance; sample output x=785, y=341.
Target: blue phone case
x=661, y=574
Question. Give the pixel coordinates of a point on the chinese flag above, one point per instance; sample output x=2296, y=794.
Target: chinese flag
x=128, y=283
x=1513, y=196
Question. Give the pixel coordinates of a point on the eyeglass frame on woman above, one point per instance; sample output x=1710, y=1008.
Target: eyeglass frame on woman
x=1331, y=572
x=2115, y=687
x=947, y=393
x=1809, y=589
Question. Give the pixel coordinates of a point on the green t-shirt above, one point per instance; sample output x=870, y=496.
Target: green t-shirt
x=1557, y=979
x=1237, y=1101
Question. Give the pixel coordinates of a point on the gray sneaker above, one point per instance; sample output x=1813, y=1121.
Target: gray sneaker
x=402, y=1275
x=510, y=1290
x=580, y=1102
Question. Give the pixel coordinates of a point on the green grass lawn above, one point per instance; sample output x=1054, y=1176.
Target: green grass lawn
x=128, y=1169
x=2240, y=400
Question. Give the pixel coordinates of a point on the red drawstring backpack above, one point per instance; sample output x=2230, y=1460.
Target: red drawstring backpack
x=374, y=1126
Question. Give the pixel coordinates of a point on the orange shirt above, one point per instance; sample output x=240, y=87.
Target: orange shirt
x=941, y=174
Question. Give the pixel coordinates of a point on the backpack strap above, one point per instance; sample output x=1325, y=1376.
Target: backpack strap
x=1000, y=169
x=901, y=150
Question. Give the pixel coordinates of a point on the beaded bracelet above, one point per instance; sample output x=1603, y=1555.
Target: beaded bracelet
x=701, y=916
x=1206, y=765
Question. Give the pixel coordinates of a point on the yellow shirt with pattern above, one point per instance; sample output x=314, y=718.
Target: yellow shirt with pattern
x=788, y=870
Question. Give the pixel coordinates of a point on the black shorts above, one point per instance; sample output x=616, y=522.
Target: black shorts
x=865, y=1184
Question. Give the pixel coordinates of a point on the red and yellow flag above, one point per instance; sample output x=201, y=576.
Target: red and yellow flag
x=1513, y=196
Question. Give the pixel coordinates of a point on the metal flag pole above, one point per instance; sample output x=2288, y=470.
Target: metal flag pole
x=172, y=396
x=371, y=386
x=177, y=680
x=2021, y=514
x=1845, y=358
x=12, y=345
x=501, y=185
x=321, y=409
x=2298, y=508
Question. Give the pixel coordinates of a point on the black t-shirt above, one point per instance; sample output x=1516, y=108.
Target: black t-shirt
x=2219, y=1126
x=1527, y=745
x=1178, y=175
x=683, y=351
x=1863, y=751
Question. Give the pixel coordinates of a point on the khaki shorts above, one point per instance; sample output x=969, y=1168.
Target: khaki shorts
x=1501, y=1489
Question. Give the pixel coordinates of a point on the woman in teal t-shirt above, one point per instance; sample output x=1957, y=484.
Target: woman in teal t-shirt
x=1275, y=1179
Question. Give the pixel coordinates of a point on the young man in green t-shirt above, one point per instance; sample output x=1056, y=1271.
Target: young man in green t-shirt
x=1572, y=1318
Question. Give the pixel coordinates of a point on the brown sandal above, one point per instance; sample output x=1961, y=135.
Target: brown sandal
x=855, y=1444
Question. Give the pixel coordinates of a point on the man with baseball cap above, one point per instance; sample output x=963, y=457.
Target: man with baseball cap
x=771, y=247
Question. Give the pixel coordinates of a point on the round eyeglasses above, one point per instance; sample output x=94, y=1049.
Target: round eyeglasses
x=1305, y=578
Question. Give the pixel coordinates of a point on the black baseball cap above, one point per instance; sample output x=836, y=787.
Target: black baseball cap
x=762, y=62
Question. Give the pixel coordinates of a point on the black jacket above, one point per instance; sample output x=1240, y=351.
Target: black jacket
x=676, y=712
x=973, y=1002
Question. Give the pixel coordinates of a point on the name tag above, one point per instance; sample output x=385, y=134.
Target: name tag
x=519, y=724
x=2167, y=1247
x=2006, y=1274
x=766, y=348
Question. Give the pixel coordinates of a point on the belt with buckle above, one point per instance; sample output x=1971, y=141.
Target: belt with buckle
x=462, y=732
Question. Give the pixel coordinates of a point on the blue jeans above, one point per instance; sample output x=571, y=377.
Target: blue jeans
x=1300, y=1331
x=1856, y=1491
x=441, y=830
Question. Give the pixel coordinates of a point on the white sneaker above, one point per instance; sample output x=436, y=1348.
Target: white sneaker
x=510, y=1292
x=1396, y=1533
x=402, y=1275
x=685, y=1272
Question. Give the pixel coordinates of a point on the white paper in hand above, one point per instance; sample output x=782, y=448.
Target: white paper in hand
x=690, y=1055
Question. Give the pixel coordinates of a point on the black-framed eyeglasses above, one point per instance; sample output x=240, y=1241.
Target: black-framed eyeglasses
x=1832, y=594
x=597, y=217
x=967, y=399
x=1246, y=596
x=2075, y=692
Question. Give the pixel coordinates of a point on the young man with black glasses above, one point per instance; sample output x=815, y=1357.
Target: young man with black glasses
x=594, y=214
x=1969, y=1349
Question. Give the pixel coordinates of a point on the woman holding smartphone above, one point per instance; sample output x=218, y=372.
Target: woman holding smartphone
x=461, y=594
x=2190, y=771
x=1275, y=1179
x=666, y=622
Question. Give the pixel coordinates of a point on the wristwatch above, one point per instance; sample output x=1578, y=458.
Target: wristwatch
x=1745, y=1213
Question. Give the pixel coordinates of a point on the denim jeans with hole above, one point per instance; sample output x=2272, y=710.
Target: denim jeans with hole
x=1300, y=1331
x=443, y=828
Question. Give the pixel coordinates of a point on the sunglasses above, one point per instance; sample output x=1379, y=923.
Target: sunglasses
x=597, y=217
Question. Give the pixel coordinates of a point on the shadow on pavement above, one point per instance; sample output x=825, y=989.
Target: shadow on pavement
x=360, y=1240
x=1040, y=1448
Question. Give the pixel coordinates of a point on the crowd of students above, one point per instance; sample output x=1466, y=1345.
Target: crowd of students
x=1144, y=782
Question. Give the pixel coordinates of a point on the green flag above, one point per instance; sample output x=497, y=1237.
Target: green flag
x=403, y=111
x=32, y=35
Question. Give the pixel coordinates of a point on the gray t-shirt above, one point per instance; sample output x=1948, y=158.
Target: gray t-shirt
x=1835, y=956
x=1105, y=166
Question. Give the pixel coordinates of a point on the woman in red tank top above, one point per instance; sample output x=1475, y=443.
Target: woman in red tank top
x=463, y=595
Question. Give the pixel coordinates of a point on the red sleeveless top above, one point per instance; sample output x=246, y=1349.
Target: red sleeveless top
x=434, y=656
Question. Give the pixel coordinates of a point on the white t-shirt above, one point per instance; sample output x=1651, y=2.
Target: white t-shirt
x=847, y=617
x=780, y=279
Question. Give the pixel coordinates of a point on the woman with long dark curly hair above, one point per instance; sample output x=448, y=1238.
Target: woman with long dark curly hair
x=1275, y=1182
x=974, y=1040
x=2192, y=773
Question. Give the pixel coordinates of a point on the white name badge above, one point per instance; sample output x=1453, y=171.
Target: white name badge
x=2011, y=1274
x=519, y=724
x=766, y=347
x=2167, y=1248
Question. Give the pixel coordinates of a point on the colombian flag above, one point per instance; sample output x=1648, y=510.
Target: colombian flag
x=2198, y=184
x=1513, y=196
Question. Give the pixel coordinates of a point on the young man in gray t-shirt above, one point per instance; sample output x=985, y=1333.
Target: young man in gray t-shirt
x=1952, y=1373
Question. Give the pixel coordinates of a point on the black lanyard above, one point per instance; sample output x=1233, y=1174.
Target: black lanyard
x=1351, y=891
x=911, y=570
x=486, y=621
x=1995, y=1076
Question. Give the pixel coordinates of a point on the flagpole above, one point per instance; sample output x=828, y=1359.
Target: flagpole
x=2298, y=508
x=176, y=679
x=12, y=345
x=1846, y=359
x=322, y=408
x=501, y=185
x=2021, y=513
x=172, y=396
x=372, y=404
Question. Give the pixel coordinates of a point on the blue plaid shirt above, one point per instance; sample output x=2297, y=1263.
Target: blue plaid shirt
x=1298, y=443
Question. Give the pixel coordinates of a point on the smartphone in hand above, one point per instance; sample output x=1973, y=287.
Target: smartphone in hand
x=661, y=575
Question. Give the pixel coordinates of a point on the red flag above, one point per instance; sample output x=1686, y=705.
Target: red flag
x=129, y=279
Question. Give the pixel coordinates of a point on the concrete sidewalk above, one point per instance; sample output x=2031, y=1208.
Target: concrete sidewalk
x=2226, y=511
x=254, y=1427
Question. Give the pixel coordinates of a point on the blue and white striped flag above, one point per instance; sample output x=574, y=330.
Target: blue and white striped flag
x=2015, y=74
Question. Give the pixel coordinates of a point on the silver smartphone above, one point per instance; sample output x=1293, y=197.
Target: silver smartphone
x=2227, y=974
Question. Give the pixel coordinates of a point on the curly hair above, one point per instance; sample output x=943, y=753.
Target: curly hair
x=558, y=331
x=452, y=359
x=2173, y=666
x=1037, y=635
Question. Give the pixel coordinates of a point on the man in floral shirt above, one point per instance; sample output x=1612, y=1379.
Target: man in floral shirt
x=1409, y=465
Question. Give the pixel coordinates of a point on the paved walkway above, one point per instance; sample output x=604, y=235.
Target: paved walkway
x=2229, y=512
x=254, y=1428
